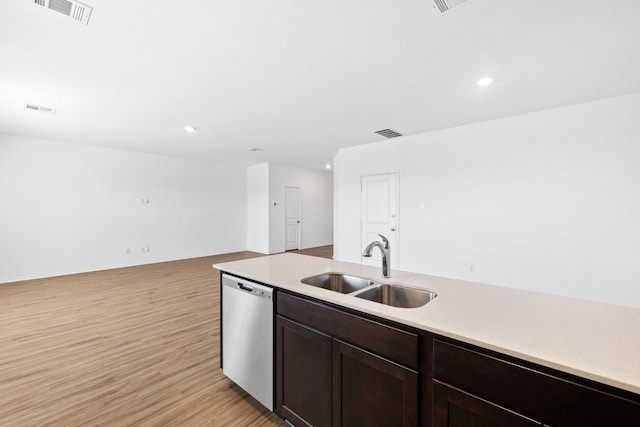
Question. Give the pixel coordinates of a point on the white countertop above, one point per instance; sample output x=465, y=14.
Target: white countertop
x=592, y=340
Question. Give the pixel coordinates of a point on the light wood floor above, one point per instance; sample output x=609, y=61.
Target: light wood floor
x=320, y=251
x=130, y=346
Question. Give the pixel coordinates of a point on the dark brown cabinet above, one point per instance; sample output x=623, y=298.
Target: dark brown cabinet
x=455, y=408
x=303, y=367
x=335, y=368
x=474, y=386
x=369, y=390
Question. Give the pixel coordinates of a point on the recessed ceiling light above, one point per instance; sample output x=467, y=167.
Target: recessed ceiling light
x=255, y=150
x=328, y=166
x=189, y=129
x=485, y=81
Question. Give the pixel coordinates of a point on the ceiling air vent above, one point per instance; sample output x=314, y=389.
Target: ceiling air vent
x=388, y=133
x=73, y=9
x=444, y=6
x=39, y=108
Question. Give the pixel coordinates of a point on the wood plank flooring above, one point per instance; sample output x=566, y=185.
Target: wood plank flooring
x=320, y=251
x=131, y=346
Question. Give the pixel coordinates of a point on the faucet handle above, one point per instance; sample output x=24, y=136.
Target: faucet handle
x=385, y=240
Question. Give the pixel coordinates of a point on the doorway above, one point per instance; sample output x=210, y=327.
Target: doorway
x=291, y=218
x=379, y=215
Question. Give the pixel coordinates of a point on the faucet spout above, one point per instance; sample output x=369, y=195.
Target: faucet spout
x=384, y=249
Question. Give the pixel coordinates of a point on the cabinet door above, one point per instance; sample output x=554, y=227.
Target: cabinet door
x=371, y=391
x=303, y=374
x=455, y=408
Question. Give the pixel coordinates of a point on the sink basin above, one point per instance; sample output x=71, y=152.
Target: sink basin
x=397, y=296
x=393, y=295
x=338, y=282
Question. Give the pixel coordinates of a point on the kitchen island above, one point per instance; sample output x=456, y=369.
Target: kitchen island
x=593, y=341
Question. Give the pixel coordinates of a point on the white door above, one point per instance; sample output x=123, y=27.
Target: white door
x=379, y=215
x=291, y=218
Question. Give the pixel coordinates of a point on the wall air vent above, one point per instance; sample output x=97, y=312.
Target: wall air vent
x=39, y=108
x=73, y=9
x=444, y=6
x=388, y=133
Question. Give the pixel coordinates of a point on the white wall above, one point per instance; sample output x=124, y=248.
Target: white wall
x=316, y=206
x=547, y=201
x=69, y=208
x=258, y=208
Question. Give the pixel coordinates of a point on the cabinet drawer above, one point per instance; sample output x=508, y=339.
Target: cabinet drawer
x=455, y=408
x=537, y=394
x=392, y=343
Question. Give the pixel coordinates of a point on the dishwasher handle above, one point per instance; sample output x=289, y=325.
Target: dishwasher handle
x=245, y=287
x=250, y=288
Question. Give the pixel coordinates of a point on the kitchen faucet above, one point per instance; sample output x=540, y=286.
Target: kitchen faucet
x=386, y=253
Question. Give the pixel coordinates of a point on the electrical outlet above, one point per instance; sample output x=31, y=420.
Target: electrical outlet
x=145, y=249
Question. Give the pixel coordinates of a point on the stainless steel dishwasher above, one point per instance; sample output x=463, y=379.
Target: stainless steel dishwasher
x=247, y=337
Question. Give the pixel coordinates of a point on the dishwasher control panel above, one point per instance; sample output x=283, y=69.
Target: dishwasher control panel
x=256, y=290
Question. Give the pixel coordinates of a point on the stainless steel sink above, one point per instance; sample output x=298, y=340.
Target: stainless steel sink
x=396, y=295
x=389, y=294
x=338, y=282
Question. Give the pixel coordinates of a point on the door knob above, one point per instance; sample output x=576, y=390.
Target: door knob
x=393, y=229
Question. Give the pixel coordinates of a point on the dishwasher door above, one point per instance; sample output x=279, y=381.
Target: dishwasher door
x=247, y=337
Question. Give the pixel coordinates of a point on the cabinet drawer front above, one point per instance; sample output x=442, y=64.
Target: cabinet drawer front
x=539, y=395
x=455, y=408
x=392, y=343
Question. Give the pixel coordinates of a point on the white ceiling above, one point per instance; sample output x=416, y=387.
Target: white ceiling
x=301, y=78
